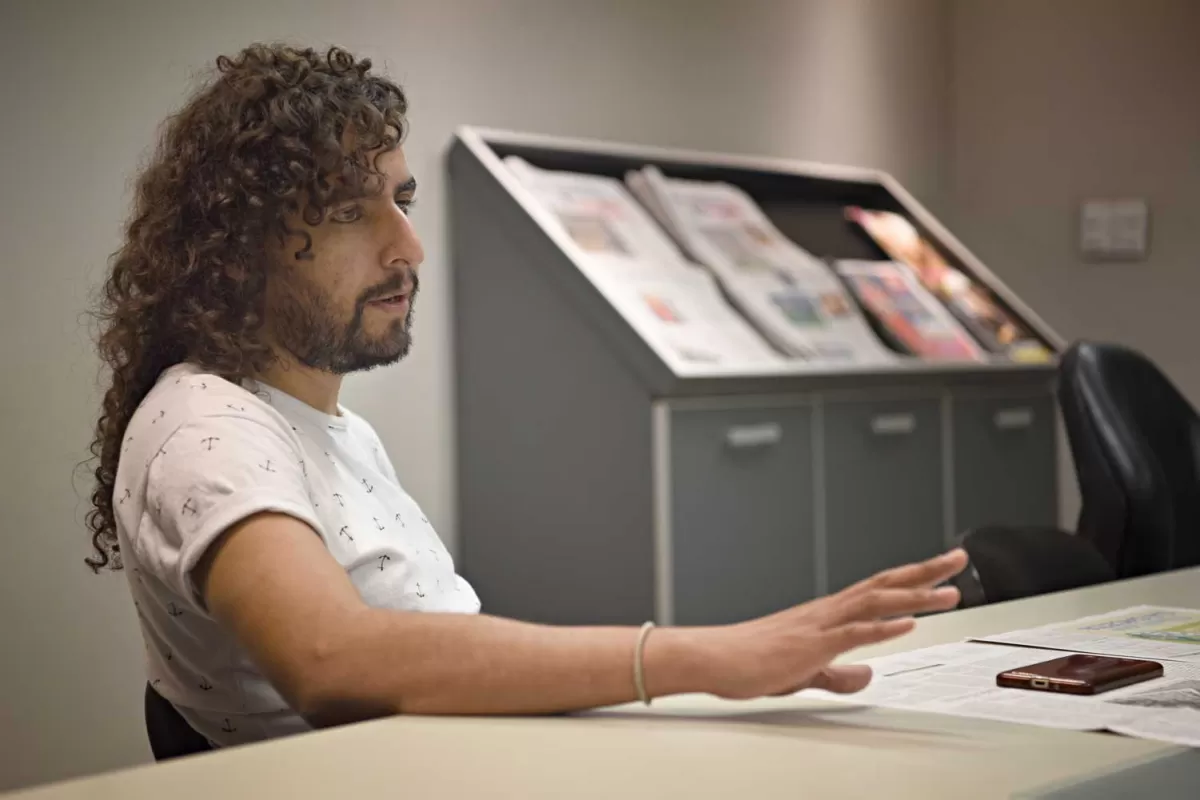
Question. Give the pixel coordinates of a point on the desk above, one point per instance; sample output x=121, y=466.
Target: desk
x=688, y=747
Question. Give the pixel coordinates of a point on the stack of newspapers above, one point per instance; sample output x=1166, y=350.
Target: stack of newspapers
x=705, y=277
x=674, y=304
x=792, y=297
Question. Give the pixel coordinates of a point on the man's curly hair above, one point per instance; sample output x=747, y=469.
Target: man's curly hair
x=277, y=128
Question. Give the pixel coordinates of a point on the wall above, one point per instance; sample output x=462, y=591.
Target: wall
x=1057, y=102
x=86, y=85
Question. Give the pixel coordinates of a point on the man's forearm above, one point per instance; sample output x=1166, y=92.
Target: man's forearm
x=429, y=663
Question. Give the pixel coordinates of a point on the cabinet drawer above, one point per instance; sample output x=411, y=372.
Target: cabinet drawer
x=1004, y=461
x=741, y=512
x=883, y=486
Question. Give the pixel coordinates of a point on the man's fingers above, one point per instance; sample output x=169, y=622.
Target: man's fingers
x=924, y=573
x=843, y=679
x=882, y=603
x=860, y=634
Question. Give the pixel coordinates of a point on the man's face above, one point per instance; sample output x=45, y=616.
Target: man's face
x=347, y=304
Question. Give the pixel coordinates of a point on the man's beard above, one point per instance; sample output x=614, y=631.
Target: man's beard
x=307, y=326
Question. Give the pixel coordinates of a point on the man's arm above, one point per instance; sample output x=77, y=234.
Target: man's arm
x=271, y=581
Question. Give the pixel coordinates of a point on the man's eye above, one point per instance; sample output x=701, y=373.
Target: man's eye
x=406, y=204
x=351, y=213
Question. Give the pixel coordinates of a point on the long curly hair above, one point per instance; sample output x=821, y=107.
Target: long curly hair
x=278, y=132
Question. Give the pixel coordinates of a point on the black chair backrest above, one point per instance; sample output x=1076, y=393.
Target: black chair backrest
x=1135, y=440
x=169, y=733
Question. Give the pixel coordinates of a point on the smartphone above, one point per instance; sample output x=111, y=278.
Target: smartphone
x=1080, y=674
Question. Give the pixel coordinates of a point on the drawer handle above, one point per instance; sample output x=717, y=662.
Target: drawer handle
x=745, y=436
x=893, y=424
x=1013, y=419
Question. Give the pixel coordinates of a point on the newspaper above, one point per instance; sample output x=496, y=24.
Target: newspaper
x=789, y=295
x=673, y=304
x=1153, y=632
x=917, y=321
x=960, y=680
x=972, y=304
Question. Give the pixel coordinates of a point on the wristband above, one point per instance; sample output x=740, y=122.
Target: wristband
x=639, y=672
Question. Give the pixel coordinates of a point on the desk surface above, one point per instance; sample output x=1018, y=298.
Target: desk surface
x=689, y=746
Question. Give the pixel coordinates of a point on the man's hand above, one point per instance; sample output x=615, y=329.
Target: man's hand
x=793, y=649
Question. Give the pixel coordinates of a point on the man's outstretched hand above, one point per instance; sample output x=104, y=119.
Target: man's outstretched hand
x=793, y=649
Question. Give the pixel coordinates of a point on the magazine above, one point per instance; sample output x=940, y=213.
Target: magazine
x=913, y=317
x=674, y=304
x=972, y=304
x=791, y=297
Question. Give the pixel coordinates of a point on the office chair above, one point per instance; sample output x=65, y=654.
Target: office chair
x=169, y=733
x=1135, y=442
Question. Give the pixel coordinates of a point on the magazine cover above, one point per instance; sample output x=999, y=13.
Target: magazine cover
x=908, y=311
x=972, y=304
x=790, y=296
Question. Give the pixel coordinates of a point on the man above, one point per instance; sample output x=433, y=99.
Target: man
x=283, y=578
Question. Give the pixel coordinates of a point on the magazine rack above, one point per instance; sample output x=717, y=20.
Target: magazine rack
x=597, y=484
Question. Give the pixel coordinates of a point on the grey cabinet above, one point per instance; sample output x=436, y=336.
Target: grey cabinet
x=1005, y=470
x=883, y=485
x=741, y=502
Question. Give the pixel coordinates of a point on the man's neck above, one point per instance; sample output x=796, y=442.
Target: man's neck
x=315, y=387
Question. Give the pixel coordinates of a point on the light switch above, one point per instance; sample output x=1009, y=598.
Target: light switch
x=1114, y=229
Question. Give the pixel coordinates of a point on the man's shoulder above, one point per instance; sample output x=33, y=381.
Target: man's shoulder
x=187, y=395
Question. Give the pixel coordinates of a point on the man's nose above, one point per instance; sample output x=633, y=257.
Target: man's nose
x=404, y=245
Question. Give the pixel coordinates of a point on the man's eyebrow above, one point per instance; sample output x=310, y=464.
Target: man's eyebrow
x=409, y=185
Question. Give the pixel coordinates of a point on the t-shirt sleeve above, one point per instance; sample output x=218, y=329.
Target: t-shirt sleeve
x=210, y=474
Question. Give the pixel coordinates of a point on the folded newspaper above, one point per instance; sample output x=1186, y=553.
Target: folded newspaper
x=789, y=295
x=960, y=679
x=909, y=313
x=674, y=304
x=972, y=304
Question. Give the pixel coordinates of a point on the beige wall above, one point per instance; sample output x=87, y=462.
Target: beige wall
x=1054, y=102
x=85, y=85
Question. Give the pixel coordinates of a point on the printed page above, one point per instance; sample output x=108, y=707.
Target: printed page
x=1152, y=632
x=603, y=220
x=918, y=321
x=687, y=317
x=674, y=305
x=972, y=304
x=960, y=680
x=789, y=295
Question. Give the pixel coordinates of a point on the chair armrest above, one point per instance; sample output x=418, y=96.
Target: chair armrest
x=1011, y=563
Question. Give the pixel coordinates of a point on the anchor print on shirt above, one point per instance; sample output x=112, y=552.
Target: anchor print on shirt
x=382, y=559
x=228, y=727
x=204, y=685
x=340, y=499
x=125, y=496
x=174, y=610
x=345, y=531
x=267, y=467
x=419, y=592
x=190, y=507
x=161, y=414
x=367, y=484
x=209, y=441
x=400, y=519
x=232, y=407
x=378, y=525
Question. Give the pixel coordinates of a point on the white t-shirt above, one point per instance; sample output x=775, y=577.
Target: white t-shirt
x=201, y=454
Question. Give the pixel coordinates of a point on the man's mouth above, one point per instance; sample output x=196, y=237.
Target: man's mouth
x=391, y=301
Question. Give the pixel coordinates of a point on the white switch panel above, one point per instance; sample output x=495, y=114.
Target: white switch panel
x=1114, y=229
